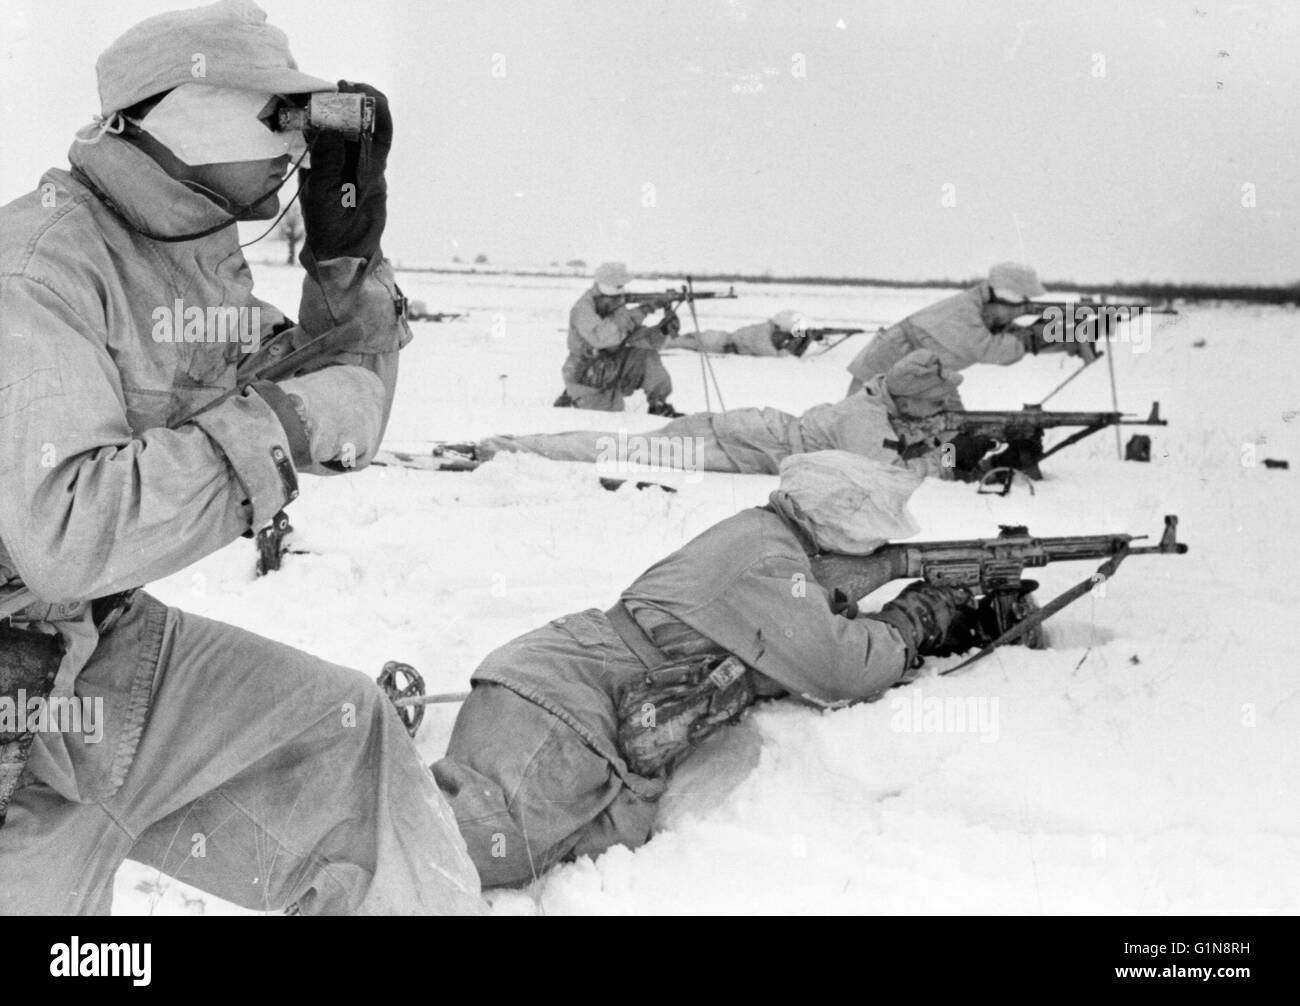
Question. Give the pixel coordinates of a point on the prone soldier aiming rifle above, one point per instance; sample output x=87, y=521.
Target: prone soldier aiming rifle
x=797, y=345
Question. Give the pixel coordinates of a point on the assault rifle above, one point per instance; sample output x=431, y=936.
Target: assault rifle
x=1021, y=432
x=797, y=345
x=436, y=316
x=1109, y=311
x=990, y=568
x=667, y=300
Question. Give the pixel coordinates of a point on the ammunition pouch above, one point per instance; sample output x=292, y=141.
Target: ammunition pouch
x=675, y=704
x=604, y=369
x=29, y=662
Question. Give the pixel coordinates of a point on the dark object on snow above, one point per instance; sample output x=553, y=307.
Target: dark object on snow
x=464, y=458
x=1199, y=344
x=1138, y=448
x=1276, y=463
x=613, y=485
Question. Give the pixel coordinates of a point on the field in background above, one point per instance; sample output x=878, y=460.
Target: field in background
x=1145, y=763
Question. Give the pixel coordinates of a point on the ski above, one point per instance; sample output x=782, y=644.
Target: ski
x=455, y=458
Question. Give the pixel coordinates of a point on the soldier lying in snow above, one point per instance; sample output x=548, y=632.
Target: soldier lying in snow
x=766, y=338
x=757, y=440
x=562, y=746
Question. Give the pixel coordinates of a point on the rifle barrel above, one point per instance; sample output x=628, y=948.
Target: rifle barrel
x=976, y=563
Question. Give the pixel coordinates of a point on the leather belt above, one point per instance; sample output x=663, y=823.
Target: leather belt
x=634, y=637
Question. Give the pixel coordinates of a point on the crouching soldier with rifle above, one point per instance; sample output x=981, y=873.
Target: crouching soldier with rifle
x=563, y=746
x=611, y=352
x=250, y=769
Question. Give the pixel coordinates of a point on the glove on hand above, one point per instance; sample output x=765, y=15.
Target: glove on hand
x=924, y=615
x=333, y=417
x=341, y=220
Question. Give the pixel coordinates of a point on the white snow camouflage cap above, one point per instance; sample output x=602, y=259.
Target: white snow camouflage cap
x=613, y=275
x=227, y=44
x=845, y=502
x=1019, y=281
x=789, y=321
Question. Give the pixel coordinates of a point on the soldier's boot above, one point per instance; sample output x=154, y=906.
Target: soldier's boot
x=466, y=451
x=660, y=407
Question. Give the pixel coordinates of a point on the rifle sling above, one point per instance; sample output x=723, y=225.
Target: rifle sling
x=1105, y=571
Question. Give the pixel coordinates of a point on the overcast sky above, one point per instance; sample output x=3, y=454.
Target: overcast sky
x=1097, y=140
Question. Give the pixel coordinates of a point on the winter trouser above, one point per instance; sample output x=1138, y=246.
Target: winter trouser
x=263, y=775
x=529, y=792
x=736, y=441
x=641, y=368
x=751, y=341
x=707, y=341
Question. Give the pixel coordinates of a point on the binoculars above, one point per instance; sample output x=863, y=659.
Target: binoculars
x=351, y=114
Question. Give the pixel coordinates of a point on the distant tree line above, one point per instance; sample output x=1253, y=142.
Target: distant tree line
x=1153, y=291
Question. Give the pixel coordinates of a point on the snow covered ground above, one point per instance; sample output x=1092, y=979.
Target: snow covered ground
x=1146, y=763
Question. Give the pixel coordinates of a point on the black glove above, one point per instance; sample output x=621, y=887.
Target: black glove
x=933, y=621
x=342, y=221
x=670, y=326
